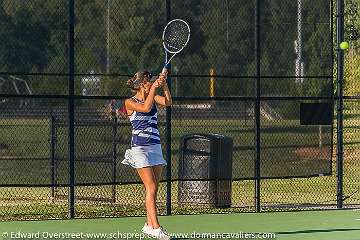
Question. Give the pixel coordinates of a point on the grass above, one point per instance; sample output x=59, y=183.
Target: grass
x=31, y=140
x=277, y=138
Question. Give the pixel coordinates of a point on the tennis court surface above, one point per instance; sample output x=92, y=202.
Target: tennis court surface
x=315, y=225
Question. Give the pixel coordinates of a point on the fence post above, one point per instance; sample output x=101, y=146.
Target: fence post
x=168, y=132
x=257, y=108
x=52, y=156
x=340, y=103
x=71, y=142
x=114, y=156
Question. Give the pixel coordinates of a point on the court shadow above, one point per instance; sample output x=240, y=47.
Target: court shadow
x=319, y=231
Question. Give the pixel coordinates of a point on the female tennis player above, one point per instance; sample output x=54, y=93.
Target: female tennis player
x=145, y=154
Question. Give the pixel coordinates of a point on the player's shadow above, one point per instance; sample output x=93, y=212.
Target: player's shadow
x=319, y=231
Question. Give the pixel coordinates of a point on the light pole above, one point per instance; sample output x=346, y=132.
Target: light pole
x=108, y=37
x=299, y=64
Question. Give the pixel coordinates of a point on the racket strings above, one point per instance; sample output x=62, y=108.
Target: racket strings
x=176, y=36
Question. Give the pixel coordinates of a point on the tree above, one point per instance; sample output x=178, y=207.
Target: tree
x=222, y=37
x=352, y=22
x=136, y=35
x=352, y=56
x=5, y=27
x=352, y=73
x=35, y=42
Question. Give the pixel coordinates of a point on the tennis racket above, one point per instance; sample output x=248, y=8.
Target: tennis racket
x=175, y=37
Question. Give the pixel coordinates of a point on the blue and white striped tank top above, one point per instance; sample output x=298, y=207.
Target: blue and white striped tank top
x=145, y=131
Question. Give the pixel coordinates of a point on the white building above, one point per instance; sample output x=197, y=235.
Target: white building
x=90, y=85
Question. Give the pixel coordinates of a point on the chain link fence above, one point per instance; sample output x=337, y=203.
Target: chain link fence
x=247, y=72
x=351, y=105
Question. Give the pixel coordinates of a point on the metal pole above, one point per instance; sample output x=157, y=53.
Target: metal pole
x=340, y=103
x=227, y=25
x=176, y=80
x=114, y=155
x=257, y=107
x=71, y=143
x=52, y=156
x=108, y=37
x=168, y=132
x=299, y=64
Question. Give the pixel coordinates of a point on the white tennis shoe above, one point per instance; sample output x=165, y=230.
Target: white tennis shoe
x=147, y=229
x=160, y=233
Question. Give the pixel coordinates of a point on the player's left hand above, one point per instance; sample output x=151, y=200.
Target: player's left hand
x=162, y=79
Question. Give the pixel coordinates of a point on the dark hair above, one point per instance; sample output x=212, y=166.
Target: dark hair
x=139, y=78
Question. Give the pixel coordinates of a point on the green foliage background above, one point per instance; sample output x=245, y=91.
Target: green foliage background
x=34, y=40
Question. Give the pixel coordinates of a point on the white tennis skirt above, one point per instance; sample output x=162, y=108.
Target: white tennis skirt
x=144, y=156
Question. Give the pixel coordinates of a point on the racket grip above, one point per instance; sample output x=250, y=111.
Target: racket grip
x=166, y=67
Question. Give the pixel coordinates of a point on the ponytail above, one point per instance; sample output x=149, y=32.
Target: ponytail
x=139, y=78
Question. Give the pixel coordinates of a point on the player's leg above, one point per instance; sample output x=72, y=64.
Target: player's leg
x=148, y=178
x=157, y=172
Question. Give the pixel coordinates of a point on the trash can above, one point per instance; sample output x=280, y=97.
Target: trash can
x=205, y=170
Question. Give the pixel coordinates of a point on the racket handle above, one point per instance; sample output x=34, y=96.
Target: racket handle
x=166, y=67
x=164, y=70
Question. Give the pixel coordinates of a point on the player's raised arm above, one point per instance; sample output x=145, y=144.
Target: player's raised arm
x=165, y=100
